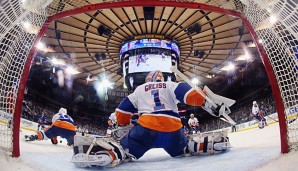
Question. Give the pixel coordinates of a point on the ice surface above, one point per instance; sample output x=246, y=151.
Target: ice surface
x=257, y=149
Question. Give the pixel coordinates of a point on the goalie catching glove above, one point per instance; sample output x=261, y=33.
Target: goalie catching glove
x=94, y=152
x=220, y=105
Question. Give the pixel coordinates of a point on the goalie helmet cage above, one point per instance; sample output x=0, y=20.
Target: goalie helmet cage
x=24, y=22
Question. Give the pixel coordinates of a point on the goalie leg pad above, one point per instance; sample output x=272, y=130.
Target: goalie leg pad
x=102, y=158
x=211, y=143
x=90, y=151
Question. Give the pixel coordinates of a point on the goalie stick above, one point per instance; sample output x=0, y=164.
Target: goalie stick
x=222, y=113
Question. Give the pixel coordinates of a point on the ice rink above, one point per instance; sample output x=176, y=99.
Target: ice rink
x=256, y=149
x=152, y=62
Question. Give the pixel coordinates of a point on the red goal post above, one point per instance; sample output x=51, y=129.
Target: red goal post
x=278, y=50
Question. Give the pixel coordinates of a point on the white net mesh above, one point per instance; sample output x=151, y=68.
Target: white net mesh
x=275, y=23
x=21, y=20
x=16, y=39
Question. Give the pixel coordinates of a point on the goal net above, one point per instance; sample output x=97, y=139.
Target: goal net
x=273, y=25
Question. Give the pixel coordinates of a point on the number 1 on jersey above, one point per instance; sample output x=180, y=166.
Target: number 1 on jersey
x=158, y=104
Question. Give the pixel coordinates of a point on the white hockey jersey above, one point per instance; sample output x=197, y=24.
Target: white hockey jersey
x=192, y=122
x=156, y=103
x=63, y=121
x=255, y=110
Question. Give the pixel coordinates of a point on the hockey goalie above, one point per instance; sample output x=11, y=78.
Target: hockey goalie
x=159, y=126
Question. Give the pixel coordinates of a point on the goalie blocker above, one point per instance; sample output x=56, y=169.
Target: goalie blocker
x=105, y=152
x=215, y=105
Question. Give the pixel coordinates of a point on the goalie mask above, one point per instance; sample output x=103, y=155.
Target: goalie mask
x=155, y=76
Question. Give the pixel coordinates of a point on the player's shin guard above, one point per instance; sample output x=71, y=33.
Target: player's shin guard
x=211, y=143
x=92, y=152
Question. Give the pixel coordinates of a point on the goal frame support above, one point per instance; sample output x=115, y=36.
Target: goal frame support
x=146, y=3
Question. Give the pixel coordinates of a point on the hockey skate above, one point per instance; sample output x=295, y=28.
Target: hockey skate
x=97, y=152
x=211, y=143
x=31, y=137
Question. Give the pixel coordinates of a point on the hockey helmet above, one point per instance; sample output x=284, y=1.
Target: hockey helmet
x=62, y=110
x=254, y=102
x=155, y=76
x=191, y=115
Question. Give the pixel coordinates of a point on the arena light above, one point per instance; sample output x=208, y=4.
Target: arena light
x=56, y=61
x=246, y=56
x=71, y=70
x=260, y=41
x=40, y=46
x=101, y=86
x=106, y=83
x=195, y=81
x=210, y=76
x=26, y=25
x=88, y=78
x=30, y=28
x=272, y=19
x=229, y=67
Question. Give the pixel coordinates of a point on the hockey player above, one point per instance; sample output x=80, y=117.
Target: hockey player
x=41, y=122
x=193, y=124
x=163, y=56
x=112, y=124
x=139, y=59
x=9, y=123
x=159, y=126
x=185, y=129
x=258, y=115
x=62, y=125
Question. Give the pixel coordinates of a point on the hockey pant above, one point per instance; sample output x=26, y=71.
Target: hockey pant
x=54, y=131
x=139, y=140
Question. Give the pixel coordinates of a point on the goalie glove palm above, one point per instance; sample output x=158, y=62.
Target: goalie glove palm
x=217, y=105
x=212, y=109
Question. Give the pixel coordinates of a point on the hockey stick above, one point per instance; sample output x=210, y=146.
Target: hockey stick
x=124, y=130
x=90, y=147
x=183, y=77
x=272, y=118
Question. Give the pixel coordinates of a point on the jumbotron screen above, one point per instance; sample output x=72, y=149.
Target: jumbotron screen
x=147, y=43
x=149, y=62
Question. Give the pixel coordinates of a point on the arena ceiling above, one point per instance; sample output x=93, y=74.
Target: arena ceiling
x=222, y=38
